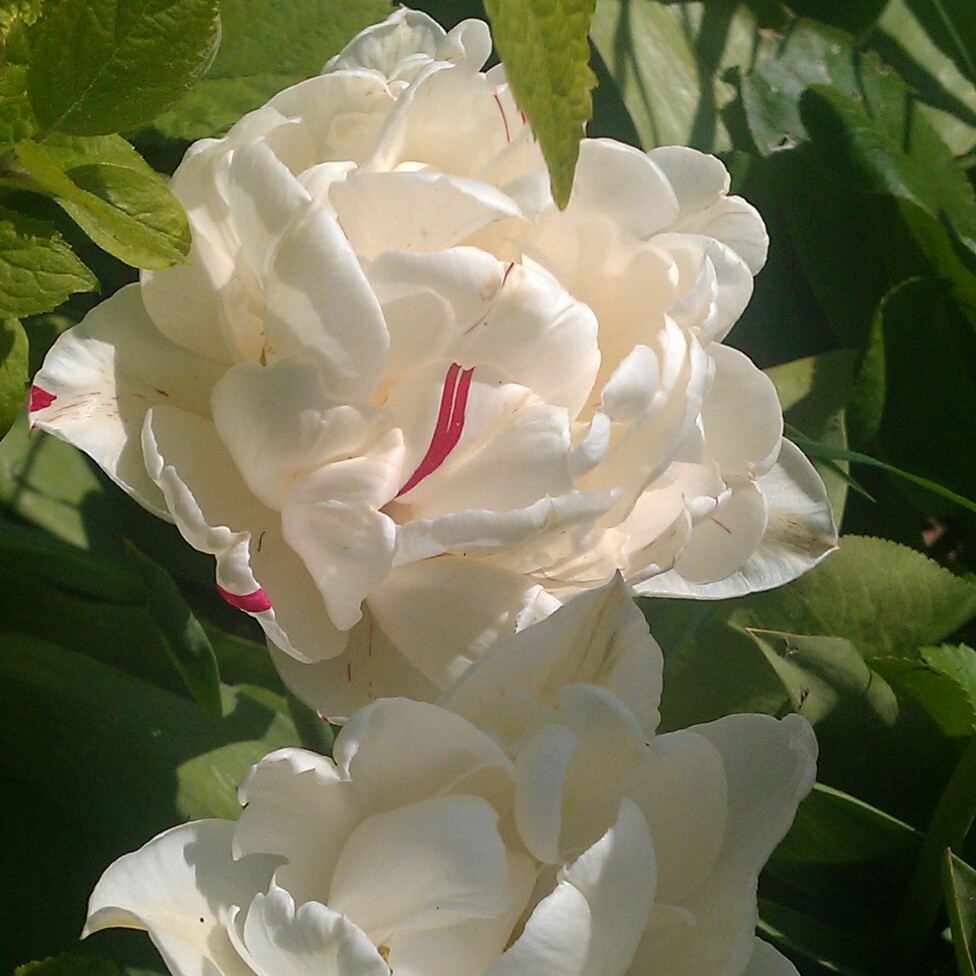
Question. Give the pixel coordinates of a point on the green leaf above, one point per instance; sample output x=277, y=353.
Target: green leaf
x=69, y=964
x=124, y=210
x=959, y=887
x=819, y=673
x=949, y=826
x=266, y=45
x=13, y=371
x=939, y=695
x=950, y=24
x=16, y=117
x=956, y=661
x=543, y=45
x=101, y=66
x=186, y=642
x=853, y=17
x=38, y=270
x=885, y=598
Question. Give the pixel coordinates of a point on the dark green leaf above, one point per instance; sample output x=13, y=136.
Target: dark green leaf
x=187, y=643
x=956, y=661
x=959, y=886
x=13, y=371
x=38, y=270
x=940, y=696
x=69, y=964
x=853, y=17
x=543, y=45
x=101, y=66
x=128, y=212
x=266, y=45
x=819, y=673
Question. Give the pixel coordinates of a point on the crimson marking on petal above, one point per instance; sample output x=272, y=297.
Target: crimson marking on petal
x=449, y=426
x=39, y=399
x=721, y=526
x=256, y=602
x=498, y=102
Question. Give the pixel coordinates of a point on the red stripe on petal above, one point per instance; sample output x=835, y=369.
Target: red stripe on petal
x=449, y=425
x=498, y=102
x=256, y=602
x=39, y=399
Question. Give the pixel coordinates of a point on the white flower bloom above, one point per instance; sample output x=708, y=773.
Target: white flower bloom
x=524, y=827
x=407, y=403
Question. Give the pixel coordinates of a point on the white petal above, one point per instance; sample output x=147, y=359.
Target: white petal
x=313, y=941
x=277, y=424
x=800, y=532
x=470, y=947
x=591, y=924
x=319, y=307
x=720, y=544
x=697, y=179
x=179, y=888
x=298, y=807
x=683, y=793
x=422, y=866
x=456, y=757
x=600, y=638
x=369, y=668
x=767, y=961
x=405, y=33
x=742, y=416
x=415, y=211
x=769, y=768
x=442, y=613
x=101, y=377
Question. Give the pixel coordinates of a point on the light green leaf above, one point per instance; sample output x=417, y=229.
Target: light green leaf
x=957, y=661
x=265, y=46
x=13, y=371
x=940, y=696
x=950, y=24
x=887, y=599
x=543, y=45
x=124, y=210
x=38, y=270
x=959, y=886
x=16, y=117
x=820, y=673
x=101, y=66
x=186, y=642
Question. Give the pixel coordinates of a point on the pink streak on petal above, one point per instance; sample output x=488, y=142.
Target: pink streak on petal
x=449, y=425
x=39, y=399
x=498, y=102
x=255, y=602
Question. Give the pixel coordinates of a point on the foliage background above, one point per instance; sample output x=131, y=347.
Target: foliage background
x=132, y=697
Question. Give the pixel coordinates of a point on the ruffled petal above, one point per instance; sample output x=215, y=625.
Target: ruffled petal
x=297, y=806
x=278, y=940
x=424, y=865
x=180, y=888
x=456, y=758
x=101, y=377
x=599, y=638
x=591, y=924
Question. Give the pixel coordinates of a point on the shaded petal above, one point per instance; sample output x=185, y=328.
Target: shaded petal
x=104, y=374
x=422, y=866
x=799, y=533
x=700, y=183
x=277, y=940
x=599, y=637
x=456, y=758
x=319, y=307
x=442, y=613
x=742, y=416
x=330, y=518
x=180, y=888
x=297, y=806
x=369, y=668
x=415, y=211
x=591, y=923
x=767, y=961
x=277, y=424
